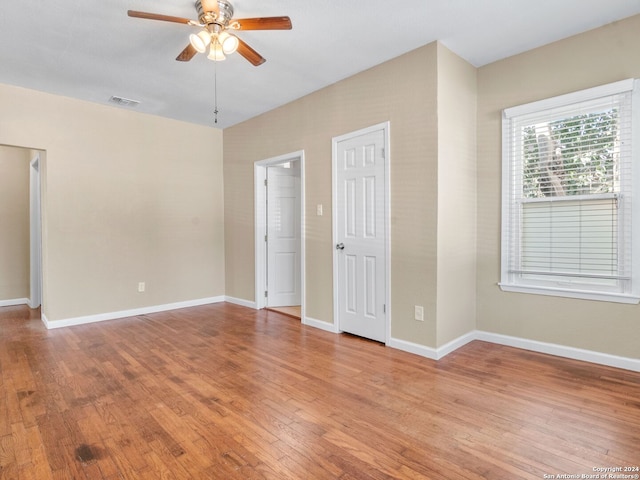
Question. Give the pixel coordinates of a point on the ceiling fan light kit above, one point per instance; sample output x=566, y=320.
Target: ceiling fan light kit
x=200, y=41
x=215, y=52
x=229, y=42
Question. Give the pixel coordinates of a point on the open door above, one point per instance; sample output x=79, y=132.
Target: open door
x=283, y=235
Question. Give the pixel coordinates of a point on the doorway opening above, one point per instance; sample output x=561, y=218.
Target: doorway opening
x=21, y=239
x=279, y=234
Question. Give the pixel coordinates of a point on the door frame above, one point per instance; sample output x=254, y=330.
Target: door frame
x=35, y=231
x=260, y=224
x=385, y=127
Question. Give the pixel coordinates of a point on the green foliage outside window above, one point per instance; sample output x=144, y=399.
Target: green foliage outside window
x=571, y=156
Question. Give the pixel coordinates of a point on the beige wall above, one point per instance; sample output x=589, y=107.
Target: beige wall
x=14, y=223
x=597, y=57
x=456, y=228
x=403, y=91
x=128, y=197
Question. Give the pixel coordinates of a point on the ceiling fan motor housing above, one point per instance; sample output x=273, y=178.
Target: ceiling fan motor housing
x=223, y=18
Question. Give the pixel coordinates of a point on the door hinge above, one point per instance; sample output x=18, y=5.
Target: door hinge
x=383, y=152
x=265, y=182
x=384, y=308
x=265, y=238
x=265, y=293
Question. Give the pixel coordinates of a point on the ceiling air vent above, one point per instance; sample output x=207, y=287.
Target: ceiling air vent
x=124, y=102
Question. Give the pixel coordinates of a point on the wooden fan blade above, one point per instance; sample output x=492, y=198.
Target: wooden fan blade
x=250, y=54
x=156, y=16
x=262, y=23
x=210, y=6
x=187, y=54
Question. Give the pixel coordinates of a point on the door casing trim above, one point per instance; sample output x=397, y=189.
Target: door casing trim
x=35, y=231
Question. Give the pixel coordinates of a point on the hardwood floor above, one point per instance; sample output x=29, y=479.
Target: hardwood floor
x=294, y=311
x=222, y=391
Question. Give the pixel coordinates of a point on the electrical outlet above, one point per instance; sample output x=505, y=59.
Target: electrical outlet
x=141, y=287
x=419, y=313
x=319, y=210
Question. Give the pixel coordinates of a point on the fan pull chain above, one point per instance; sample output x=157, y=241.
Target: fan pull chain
x=215, y=91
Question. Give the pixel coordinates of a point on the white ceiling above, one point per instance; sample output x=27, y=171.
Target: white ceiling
x=92, y=50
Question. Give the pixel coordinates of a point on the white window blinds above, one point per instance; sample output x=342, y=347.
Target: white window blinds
x=567, y=192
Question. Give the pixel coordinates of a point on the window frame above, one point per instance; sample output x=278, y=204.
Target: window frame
x=513, y=281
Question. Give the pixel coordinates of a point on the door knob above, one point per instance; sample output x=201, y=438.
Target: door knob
x=340, y=246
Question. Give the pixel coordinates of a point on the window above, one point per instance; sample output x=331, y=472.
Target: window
x=569, y=214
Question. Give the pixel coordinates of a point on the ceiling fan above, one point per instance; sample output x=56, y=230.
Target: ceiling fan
x=215, y=18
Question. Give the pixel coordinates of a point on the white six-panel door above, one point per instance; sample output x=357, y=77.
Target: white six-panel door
x=283, y=235
x=360, y=234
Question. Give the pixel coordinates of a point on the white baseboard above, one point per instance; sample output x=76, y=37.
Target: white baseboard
x=561, y=351
x=128, y=313
x=326, y=326
x=14, y=301
x=523, y=343
x=455, y=344
x=414, y=348
x=429, y=352
x=240, y=301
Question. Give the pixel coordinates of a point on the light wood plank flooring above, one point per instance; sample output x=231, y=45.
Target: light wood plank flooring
x=222, y=391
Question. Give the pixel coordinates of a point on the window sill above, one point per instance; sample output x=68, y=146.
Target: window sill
x=580, y=294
